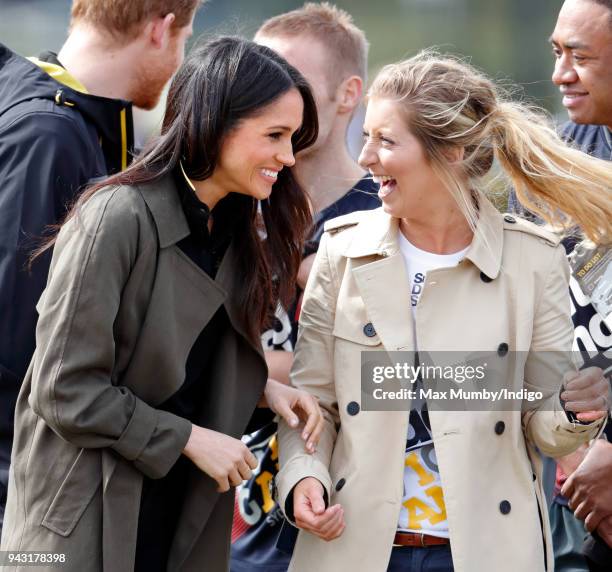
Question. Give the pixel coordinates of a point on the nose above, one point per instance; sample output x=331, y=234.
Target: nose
x=286, y=157
x=564, y=71
x=367, y=157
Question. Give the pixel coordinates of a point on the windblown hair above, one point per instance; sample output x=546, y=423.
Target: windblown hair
x=334, y=28
x=125, y=18
x=449, y=104
x=221, y=83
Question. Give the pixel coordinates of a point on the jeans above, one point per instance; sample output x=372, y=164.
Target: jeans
x=417, y=559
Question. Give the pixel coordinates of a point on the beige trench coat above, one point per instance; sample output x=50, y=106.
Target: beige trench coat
x=121, y=311
x=359, y=278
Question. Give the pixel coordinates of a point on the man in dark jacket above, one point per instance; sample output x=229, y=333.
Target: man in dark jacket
x=582, y=45
x=64, y=120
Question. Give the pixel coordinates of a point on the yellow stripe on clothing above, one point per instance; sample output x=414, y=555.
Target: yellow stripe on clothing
x=60, y=74
x=122, y=117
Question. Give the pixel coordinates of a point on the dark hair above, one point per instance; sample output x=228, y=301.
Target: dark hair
x=221, y=83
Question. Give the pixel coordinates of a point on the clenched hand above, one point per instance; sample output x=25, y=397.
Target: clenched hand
x=227, y=460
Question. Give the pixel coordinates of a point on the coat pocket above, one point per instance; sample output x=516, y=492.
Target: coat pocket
x=75, y=493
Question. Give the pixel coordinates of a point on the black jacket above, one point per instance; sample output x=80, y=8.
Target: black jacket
x=53, y=140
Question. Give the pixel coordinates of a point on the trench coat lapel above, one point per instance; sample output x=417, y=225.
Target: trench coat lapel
x=383, y=282
x=165, y=206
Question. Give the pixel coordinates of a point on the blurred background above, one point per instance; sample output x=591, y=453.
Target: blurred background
x=506, y=38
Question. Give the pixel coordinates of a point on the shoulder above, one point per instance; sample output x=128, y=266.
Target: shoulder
x=45, y=123
x=344, y=222
x=119, y=204
x=514, y=224
x=111, y=215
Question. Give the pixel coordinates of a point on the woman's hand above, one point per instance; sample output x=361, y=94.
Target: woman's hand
x=586, y=393
x=227, y=460
x=294, y=405
x=310, y=513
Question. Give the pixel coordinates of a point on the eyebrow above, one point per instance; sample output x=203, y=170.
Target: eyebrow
x=571, y=45
x=281, y=128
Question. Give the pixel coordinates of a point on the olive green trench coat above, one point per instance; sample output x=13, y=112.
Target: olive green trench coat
x=122, y=309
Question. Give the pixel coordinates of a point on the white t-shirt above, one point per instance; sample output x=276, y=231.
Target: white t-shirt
x=423, y=509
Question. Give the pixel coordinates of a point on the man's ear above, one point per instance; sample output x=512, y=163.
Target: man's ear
x=350, y=92
x=158, y=30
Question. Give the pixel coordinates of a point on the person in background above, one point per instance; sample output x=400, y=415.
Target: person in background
x=439, y=269
x=66, y=119
x=324, y=44
x=582, y=46
x=148, y=366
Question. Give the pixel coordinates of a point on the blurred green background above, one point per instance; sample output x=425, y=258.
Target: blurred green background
x=506, y=38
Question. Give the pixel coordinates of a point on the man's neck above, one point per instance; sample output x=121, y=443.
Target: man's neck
x=104, y=69
x=327, y=173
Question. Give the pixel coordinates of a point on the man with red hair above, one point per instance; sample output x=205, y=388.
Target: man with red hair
x=65, y=119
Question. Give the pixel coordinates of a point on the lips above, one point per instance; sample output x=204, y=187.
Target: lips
x=573, y=98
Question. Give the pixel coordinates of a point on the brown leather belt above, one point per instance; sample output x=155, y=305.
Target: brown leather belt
x=419, y=540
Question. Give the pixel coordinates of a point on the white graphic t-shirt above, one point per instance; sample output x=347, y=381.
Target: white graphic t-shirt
x=423, y=508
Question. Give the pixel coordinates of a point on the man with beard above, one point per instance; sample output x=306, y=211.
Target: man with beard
x=66, y=119
x=324, y=44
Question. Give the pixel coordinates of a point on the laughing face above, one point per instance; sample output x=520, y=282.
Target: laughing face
x=397, y=161
x=253, y=153
x=582, y=45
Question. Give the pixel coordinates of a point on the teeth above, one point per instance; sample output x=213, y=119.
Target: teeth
x=381, y=178
x=268, y=173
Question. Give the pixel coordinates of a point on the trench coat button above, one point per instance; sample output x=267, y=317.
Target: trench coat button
x=509, y=219
x=505, y=507
x=353, y=408
x=500, y=426
x=340, y=484
x=502, y=349
x=485, y=278
x=369, y=330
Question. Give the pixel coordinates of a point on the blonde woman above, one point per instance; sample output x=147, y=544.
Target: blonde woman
x=437, y=268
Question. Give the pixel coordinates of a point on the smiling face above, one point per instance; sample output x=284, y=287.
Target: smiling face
x=255, y=151
x=397, y=161
x=582, y=45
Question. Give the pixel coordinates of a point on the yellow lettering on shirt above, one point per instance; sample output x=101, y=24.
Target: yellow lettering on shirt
x=418, y=511
x=263, y=481
x=436, y=494
x=425, y=477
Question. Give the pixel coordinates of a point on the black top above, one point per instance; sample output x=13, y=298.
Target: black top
x=162, y=499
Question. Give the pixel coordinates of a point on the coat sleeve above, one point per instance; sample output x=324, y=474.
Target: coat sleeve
x=548, y=426
x=73, y=388
x=312, y=371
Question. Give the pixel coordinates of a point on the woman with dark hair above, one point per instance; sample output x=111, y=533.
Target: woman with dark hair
x=148, y=364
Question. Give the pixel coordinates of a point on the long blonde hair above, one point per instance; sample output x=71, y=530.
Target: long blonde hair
x=450, y=104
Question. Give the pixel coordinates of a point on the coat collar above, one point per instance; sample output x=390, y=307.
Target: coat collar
x=378, y=235
x=162, y=199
